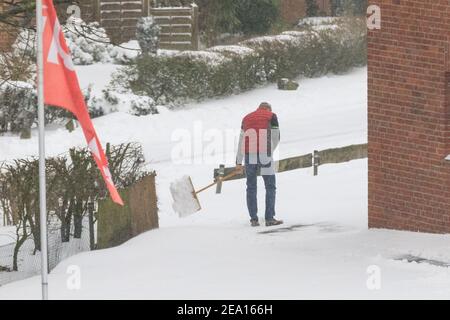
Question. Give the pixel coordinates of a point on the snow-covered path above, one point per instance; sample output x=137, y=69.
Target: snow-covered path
x=324, y=252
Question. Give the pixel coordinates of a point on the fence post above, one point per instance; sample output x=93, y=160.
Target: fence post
x=195, y=32
x=316, y=162
x=96, y=10
x=145, y=8
x=220, y=175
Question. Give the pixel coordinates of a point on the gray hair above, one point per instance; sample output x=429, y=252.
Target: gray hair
x=265, y=105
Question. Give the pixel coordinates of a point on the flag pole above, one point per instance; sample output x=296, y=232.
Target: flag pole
x=41, y=121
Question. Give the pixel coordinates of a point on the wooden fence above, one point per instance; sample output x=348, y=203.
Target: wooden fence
x=179, y=27
x=117, y=224
x=119, y=17
x=315, y=159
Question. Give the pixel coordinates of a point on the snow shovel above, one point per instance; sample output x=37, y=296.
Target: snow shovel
x=185, y=197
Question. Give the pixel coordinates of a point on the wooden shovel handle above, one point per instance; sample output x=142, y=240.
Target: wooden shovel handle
x=228, y=176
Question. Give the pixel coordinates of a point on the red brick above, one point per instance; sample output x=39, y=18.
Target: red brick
x=409, y=116
x=293, y=10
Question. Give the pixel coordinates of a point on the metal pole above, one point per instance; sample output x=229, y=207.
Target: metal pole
x=41, y=120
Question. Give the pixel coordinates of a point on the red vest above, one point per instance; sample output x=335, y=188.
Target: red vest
x=256, y=126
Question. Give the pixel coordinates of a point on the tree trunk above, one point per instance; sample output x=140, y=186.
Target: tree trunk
x=66, y=219
x=78, y=219
x=91, y=226
x=35, y=230
x=16, y=255
x=17, y=247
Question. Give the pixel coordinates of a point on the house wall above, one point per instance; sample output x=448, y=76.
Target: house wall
x=6, y=36
x=409, y=116
x=293, y=10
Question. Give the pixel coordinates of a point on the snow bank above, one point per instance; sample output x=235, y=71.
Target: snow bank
x=281, y=38
x=212, y=58
x=320, y=23
x=7, y=235
x=316, y=21
x=125, y=52
x=238, y=50
x=295, y=33
x=325, y=27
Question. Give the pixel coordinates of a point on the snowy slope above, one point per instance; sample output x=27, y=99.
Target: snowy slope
x=320, y=113
x=7, y=235
x=323, y=113
x=214, y=254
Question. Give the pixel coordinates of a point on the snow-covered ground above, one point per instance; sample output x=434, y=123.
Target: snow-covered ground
x=7, y=235
x=324, y=250
x=28, y=262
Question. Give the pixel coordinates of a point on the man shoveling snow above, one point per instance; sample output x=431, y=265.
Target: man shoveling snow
x=259, y=137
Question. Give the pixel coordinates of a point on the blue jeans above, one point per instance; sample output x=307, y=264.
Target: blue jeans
x=251, y=169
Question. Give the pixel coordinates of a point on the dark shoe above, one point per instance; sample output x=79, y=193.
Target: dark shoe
x=273, y=222
x=254, y=223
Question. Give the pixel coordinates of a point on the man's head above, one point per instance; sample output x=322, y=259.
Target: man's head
x=265, y=105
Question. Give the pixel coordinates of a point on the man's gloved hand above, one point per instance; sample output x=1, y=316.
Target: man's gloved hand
x=239, y=169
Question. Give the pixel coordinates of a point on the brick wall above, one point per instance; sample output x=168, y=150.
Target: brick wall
x=409, y=116
x=293, y=10
x=6, y=37
x=89, y=13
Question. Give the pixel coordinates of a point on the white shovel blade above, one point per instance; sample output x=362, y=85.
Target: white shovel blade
x=185, y=202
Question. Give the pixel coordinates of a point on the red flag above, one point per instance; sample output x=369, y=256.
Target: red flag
x=61, y=89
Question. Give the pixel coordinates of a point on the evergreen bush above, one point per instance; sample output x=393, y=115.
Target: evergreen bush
x=257, y=16
x=147, y=34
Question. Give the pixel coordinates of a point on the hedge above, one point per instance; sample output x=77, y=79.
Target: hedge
x=180, y=77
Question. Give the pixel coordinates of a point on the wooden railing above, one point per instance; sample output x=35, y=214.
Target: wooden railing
x=315, y=159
